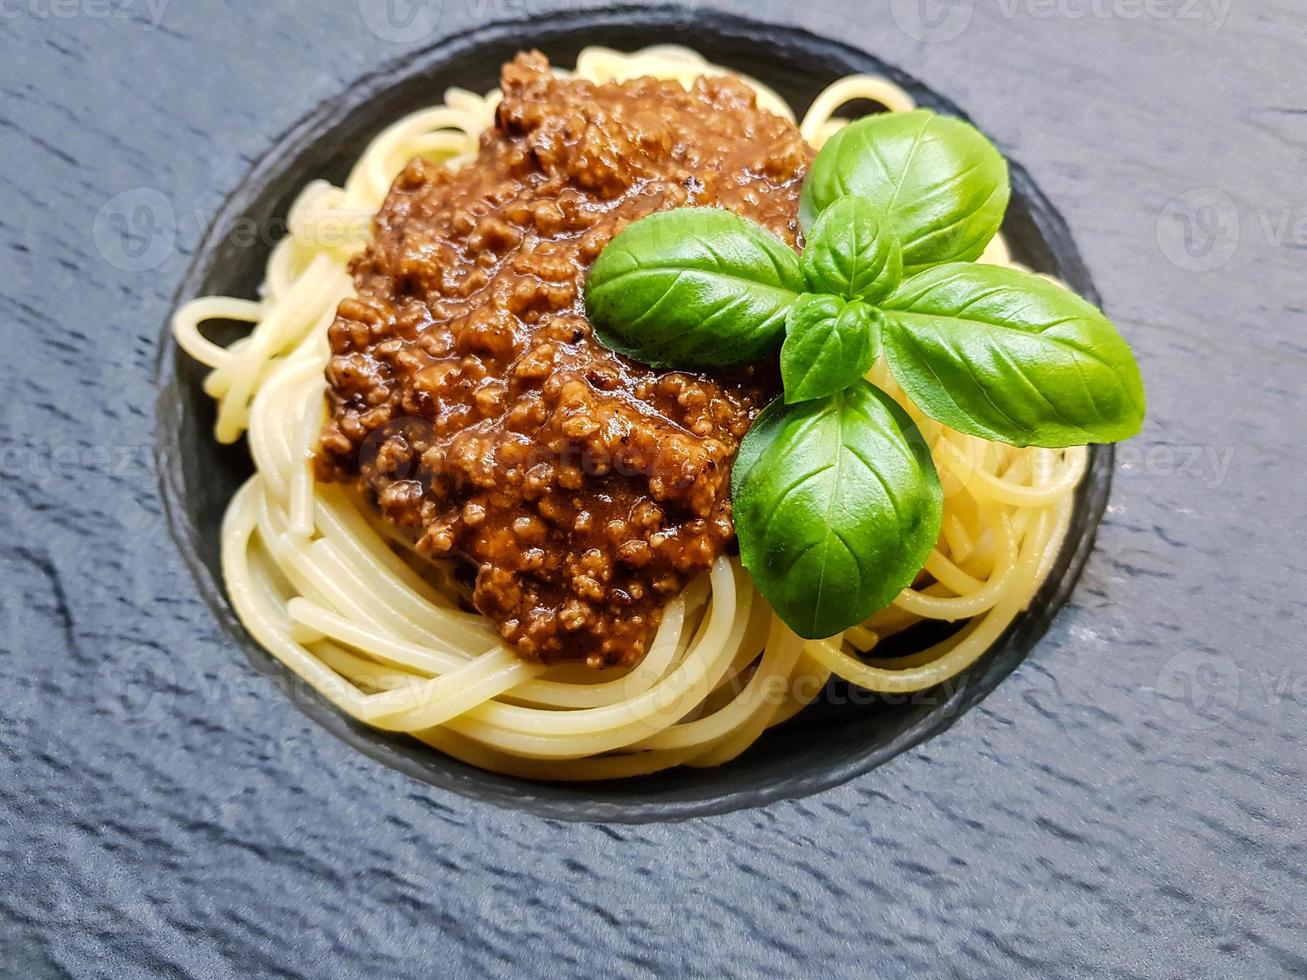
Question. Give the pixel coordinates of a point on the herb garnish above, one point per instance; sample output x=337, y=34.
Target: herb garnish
x=836, y=500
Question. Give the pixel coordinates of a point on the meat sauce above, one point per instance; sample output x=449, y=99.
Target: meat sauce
x=470, y=399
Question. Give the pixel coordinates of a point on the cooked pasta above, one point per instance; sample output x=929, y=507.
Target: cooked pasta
x=388, y=636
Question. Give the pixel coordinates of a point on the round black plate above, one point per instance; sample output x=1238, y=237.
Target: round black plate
x=843, y=735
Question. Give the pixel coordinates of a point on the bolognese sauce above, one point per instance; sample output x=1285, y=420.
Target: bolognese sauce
x=470, y=400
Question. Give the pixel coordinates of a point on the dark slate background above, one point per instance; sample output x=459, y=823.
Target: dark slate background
x=1129, y=803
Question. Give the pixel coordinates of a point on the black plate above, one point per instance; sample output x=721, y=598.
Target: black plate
x=846, y=733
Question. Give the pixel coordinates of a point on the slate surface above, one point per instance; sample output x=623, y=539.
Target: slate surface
x=1129, y=803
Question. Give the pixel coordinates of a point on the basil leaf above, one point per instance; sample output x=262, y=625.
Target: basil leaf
x=1006, y=355
x=852, y=252
x=693, y=287
x=837, y=506
x=829, y=345
x=940, y=184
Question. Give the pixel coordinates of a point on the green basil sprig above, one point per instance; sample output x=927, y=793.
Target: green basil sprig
x=836, y=500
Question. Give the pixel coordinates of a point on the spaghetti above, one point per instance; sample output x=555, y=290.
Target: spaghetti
x=323, y=583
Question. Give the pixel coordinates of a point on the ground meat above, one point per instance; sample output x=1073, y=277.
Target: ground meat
x=470, y=400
